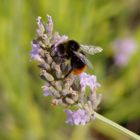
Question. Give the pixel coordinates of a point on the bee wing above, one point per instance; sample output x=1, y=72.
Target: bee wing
x=84, y=59
x=91, y=49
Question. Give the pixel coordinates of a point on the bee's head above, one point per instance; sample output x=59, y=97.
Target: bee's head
x=73, y=45
x=61, y=49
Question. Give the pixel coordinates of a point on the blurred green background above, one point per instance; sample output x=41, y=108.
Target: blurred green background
x=24, y=112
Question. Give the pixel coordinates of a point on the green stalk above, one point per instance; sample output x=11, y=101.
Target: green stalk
x=123, y=130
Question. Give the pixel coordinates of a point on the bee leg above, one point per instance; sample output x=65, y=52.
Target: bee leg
x=68, y=72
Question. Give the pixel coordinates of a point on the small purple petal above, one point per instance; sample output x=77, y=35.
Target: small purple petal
x=35, y=51
x=47, y=91
x=69, y=115
x=81, y=116
x=88, y=80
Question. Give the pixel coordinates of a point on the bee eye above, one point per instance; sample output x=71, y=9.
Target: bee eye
x=73, y=45
x=61, y=48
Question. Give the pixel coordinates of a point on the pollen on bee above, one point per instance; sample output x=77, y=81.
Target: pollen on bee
x=79, y=71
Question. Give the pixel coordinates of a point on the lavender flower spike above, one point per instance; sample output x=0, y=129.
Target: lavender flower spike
x=67, y=91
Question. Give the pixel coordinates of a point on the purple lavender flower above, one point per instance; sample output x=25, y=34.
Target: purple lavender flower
x=64, y=91
x=81, y=116
x=35, y=51
x=123, y=50
x=88, y=80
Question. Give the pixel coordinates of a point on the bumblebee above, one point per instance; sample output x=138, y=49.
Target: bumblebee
x=73, y=51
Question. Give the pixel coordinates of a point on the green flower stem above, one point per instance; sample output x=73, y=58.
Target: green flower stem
x=123, y=130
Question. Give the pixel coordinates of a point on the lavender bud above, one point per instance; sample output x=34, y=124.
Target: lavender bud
x=46, y=41
x=75, y=96
x=64, y=92
x=48, y=59
x=68, y=101
x=41, y=29
x=44, y=74
x=57, y=85
x=68, y=82
x=59, y=73
x=45, y=66
x=49, y=26
x=57, y=102
x=55, y=93
x=55, y=38
x=57, y=69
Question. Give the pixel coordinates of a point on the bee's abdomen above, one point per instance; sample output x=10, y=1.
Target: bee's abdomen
x=79, y=70
x=78, y=65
